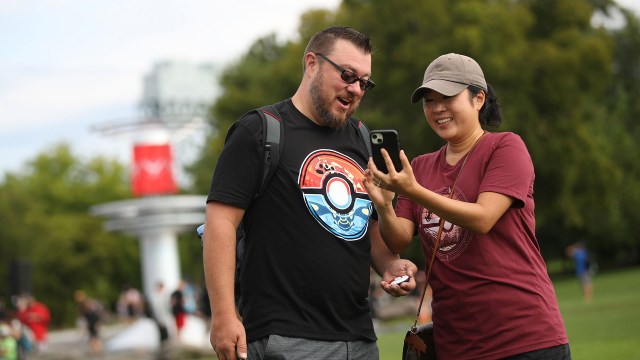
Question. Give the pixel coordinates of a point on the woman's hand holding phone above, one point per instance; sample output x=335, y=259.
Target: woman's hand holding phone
x=388, y=141
x=395, y=181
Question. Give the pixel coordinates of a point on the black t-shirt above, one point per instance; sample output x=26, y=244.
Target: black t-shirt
x=307, y=255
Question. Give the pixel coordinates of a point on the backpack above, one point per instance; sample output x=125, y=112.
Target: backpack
x=273, y=138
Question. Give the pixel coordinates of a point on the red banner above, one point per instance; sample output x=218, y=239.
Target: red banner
x=152, y=170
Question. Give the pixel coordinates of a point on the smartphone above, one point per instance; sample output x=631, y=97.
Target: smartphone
x=388, y=140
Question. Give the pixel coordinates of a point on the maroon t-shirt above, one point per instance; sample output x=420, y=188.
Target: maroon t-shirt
x=492, y=296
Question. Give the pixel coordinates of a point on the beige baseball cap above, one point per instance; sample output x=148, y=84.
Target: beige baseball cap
x=450, y=74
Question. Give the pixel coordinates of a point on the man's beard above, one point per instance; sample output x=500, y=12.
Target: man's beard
x=321, y=105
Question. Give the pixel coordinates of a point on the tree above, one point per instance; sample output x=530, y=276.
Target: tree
x=47, y=209
x=567, y=87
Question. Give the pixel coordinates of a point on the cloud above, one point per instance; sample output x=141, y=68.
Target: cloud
x=68, y=64
x=55, y=97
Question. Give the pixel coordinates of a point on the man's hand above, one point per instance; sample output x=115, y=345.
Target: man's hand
x=398, y=268
x=228, y=338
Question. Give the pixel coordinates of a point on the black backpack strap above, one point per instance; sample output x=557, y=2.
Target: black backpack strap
x=272, y=137
x=364, y=133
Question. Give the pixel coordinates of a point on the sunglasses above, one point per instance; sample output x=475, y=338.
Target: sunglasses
x=349, y=76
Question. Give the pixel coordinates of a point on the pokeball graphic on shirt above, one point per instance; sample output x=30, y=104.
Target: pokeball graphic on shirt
x=332, y=189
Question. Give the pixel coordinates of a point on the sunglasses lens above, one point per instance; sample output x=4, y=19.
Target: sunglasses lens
x=349, y=77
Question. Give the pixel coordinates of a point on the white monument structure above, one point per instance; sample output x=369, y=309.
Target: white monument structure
x=175, y=100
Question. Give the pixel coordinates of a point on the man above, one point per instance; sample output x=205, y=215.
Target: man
x=309, y=239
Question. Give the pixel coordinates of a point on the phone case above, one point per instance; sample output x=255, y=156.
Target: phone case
x=388, y=140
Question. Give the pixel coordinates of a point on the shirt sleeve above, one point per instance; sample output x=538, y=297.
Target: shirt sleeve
x=510, y=170
x=237, y=173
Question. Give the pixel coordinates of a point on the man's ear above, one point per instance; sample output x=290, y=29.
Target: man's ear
x=311, y=62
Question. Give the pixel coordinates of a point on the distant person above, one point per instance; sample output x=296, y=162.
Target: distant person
x=579, y=253
x=190, y=298
x=36, y=316
x=8, y=343
x=90, y=311
x=161, y=310
x=24, y=337
x=177, y=307
x=130, y=303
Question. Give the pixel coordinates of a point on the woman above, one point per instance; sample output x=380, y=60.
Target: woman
x=492, y=297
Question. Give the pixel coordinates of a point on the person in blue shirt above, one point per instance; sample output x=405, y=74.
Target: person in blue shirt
x=580, y=255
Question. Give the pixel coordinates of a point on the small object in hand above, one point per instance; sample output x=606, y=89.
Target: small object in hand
x=400, y=279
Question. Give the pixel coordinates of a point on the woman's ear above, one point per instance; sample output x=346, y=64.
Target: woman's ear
x=480, y=98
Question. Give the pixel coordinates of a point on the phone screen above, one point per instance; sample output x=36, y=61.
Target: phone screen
x=388, y=140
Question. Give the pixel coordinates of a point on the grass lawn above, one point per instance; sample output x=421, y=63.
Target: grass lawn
x=606, y=328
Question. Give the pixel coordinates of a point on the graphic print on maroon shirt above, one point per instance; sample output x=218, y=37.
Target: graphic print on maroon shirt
x=454, y=239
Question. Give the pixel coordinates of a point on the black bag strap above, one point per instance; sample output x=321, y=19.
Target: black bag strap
x=272, y=137
x=364, y=132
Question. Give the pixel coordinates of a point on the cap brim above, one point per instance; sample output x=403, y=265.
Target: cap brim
x=444, y=87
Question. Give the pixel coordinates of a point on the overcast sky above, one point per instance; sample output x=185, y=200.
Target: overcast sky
x=66, y=65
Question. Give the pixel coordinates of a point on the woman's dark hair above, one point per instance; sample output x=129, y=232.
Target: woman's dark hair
x=490, y=113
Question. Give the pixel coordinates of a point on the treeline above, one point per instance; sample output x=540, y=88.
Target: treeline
x=58, y=246
x=567, y=74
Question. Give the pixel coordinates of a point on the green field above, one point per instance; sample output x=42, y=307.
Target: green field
x=606, y=328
